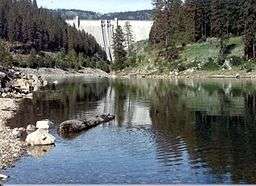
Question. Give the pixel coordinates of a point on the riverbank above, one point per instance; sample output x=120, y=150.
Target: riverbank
x=11, y=147
x=190, y=73
x=46, y=73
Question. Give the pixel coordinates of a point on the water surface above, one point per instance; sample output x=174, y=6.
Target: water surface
x=164, y=132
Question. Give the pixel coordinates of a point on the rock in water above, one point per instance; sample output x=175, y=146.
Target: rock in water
x=44, y=124
x=75, y=126
x=72, y=126
x=40, y=137
x=3, y=177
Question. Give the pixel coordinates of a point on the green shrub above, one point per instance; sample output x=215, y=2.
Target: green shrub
x=236, y=61
x=248, y=66
x=5, y=56
x=210, y=64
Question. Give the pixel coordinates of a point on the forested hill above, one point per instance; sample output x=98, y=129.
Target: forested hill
x=131, y=15
x=22, y=21
x=180, y=22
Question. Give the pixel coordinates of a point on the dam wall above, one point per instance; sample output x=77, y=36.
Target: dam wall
x=103, y=30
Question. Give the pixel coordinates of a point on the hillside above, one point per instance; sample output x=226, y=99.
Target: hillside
x=200, y=58
x=130, y=15
x=71, y=13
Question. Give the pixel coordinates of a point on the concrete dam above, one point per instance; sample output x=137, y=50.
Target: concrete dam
x=103, y=30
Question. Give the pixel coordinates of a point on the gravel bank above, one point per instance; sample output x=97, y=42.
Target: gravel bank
x=10, y=148
x=53, y=72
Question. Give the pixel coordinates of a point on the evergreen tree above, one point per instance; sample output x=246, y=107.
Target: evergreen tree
x=23, y=21
x=250, y=28
x=35, y=4
x=129, y=40
x=220, y=25
x=120, y=55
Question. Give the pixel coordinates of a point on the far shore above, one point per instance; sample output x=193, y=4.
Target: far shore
x=188, y=74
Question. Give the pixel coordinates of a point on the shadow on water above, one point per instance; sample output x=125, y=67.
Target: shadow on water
x=62, y=102
x=165, y=132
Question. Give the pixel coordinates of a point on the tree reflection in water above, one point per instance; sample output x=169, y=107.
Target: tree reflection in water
x=207, y=125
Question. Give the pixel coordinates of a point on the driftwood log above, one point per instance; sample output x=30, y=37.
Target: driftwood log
x=70, y=127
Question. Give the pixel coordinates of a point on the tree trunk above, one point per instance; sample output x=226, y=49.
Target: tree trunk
x=254, y=50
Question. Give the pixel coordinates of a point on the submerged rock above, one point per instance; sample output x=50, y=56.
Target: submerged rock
x=40, y=137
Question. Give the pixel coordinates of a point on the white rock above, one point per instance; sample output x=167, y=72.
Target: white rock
x=55, y=82
x=45, y=83
x=4, y=95
x=40, y=137
x=3, y=177
x=31, y=128
x=16, y=132
x=44, y=124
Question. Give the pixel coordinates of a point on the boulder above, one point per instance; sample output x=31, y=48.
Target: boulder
x=23, y=84
x=2, y=75
x=44, y=124
x=40, y=137
x=19, y=132
x=227, y=65
x=3, y=177
x=31, y=128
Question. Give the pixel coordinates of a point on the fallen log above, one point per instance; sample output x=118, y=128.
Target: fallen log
x=70, y=127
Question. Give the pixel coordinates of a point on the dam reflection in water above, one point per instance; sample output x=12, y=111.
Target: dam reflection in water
x=165, y=132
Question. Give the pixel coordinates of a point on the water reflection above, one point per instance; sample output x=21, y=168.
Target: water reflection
x=61, y=102
x=40, y=151
x=195, y=131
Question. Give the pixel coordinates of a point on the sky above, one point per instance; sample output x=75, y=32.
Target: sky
x=101, y=6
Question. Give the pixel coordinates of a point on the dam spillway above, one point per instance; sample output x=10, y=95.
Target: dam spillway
x=103, y=30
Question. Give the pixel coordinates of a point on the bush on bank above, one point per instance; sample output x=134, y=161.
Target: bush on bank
x=61, y=60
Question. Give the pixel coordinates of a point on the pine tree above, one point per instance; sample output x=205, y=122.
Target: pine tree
x=35, y=4
x=23, y=21
x=129, y=40
x=198, y=12
x=220, y=25
x=120, y=55
x=250, y=28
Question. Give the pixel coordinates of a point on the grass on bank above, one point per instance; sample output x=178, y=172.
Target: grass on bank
x=203, y=56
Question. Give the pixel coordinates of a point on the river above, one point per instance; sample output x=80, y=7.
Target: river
x=165, y=132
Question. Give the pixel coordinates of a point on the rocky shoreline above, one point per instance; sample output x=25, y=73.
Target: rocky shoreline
x=11, y=148
x=19, y=83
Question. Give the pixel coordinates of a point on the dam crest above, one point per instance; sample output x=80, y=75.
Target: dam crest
x=103, y=30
